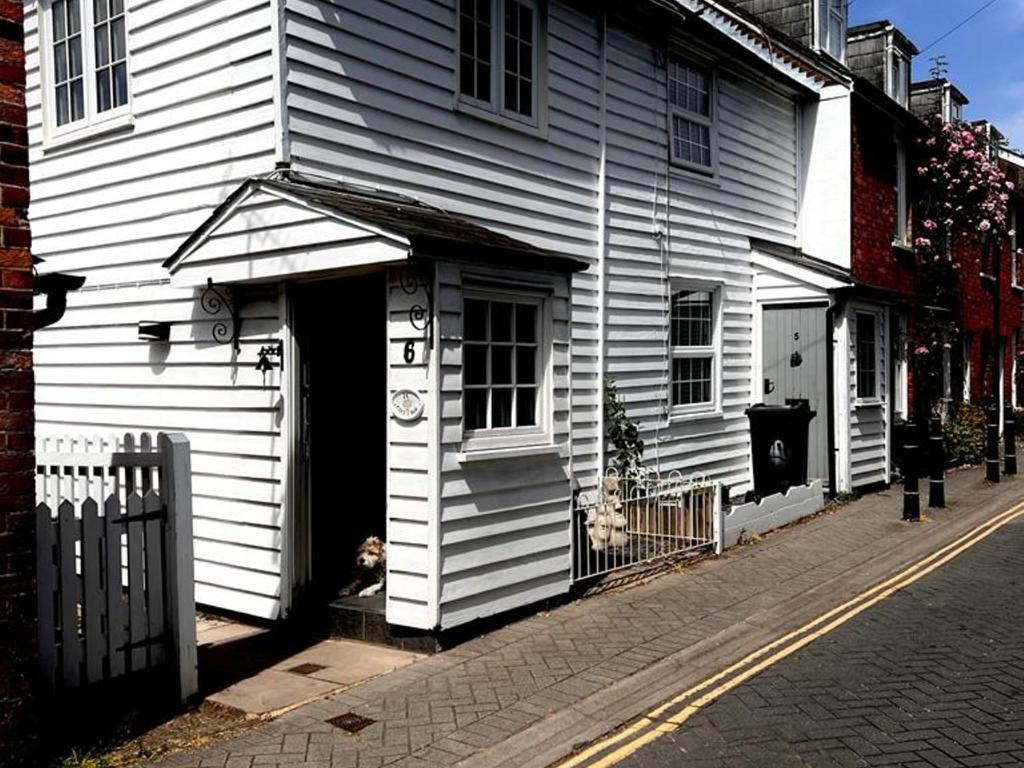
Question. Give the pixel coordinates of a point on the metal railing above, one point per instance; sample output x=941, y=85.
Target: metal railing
x=629, y=521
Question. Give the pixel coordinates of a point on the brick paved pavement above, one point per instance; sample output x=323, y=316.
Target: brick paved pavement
x=931, y=677
x=525, y=694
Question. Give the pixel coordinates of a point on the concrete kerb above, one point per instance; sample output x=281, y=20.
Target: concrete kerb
x=559, y=734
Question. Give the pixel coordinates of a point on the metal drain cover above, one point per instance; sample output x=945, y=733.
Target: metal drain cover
x=351, y=722
x=306, y=669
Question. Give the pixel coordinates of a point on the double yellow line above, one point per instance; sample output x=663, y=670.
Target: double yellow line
x=669, y=716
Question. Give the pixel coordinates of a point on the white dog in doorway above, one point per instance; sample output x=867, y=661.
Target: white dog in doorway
x=371, y=557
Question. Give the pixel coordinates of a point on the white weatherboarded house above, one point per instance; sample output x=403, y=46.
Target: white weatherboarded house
x=435, y=226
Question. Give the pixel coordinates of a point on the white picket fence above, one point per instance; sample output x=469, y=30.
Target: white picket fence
x=631, y=521
x=114, y=568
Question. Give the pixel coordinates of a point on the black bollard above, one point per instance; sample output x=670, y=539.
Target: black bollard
x=992, y=449
x=937, y=463
x=911, y=490
x=1009, y=442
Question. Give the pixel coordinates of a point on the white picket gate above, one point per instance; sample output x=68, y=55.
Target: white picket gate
x=115, y=569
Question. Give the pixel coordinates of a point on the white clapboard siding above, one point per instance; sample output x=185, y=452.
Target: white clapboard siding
x=113, y=208
x=412, y=481
x=869, y=428
x=706, y=227
x=505, y=536
x=370, y=89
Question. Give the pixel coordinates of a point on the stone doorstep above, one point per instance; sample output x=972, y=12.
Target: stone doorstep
x=329, y=667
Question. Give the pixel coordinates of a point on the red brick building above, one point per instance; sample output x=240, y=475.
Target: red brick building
x=17, y=537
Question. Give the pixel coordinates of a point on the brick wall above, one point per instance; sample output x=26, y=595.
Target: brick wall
x=17, y=538
x=874, y=261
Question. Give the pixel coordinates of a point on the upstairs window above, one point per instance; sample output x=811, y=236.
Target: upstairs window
x=1015, y=254
x=902, y=234
x=899, y=78
x=85, y=62
x=867, y=356
x=832, y=28
x=694, y=342
x=691, y=101
x=499, y=56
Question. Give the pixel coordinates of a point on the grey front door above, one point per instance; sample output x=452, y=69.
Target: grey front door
x=796, y=367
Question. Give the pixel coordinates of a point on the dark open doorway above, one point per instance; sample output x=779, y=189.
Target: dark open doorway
x=341, y=328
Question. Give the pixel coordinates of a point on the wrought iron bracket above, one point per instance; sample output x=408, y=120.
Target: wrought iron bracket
x=213, y=301
x=420, y=317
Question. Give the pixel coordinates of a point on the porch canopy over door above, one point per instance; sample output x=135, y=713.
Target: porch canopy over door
x=291, y=225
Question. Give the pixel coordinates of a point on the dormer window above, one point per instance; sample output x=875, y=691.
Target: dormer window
x=898, y=85
x=832, y=28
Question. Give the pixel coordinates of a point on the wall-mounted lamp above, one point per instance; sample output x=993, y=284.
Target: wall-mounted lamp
x=265, y=365
x=153, y=331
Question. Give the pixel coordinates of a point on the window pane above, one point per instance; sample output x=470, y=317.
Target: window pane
x=60, y=62
x=483, y=81
x=526, y=323
x=691, y=141
x=691, y=319
x=60, y=29
x=116, y=7
x=511, y=92
x=526, y=407
x=518, y=63
x=103, y=90
x=75, y=57
x=475, y=49
x=474, y=364
x=866, y=356
x=99, y=11
x=74, y=17
x=526, y=365
x=689, y=88
x=117, y=46
x=102, y=46
x=63, y=115
x=501, y=365
x=77, y=99
x=475, y=320
x=501, y=408
x=475, y=404
x=691, y=380
x=120, y=84
x=501, y=321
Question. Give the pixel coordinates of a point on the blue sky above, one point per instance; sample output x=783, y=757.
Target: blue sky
x=986, y=56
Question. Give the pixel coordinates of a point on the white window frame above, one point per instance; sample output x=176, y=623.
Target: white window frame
x=94, y=122
x=1015, y=255
x=902, y=234
x=541, y=432
x=898, y=82
x=879, y=341
x=494, y=108
x=823, y=15
x=714, y=351
x=711, y=121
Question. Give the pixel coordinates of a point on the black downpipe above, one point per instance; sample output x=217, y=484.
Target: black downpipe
x=830, y=396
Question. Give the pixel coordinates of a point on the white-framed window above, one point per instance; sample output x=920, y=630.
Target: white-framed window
x=832, y=28
x=503, y=364
x=868, y=358
x=84, y=61
x=693, y=140
x=952, y=110
x=902, y=234
x=899, y=77
x=1015, y=254
x=694, y=340
x=500, y=57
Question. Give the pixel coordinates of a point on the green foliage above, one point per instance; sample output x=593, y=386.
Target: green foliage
x=623, y=432
x=964, y=433
x=83, y=760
